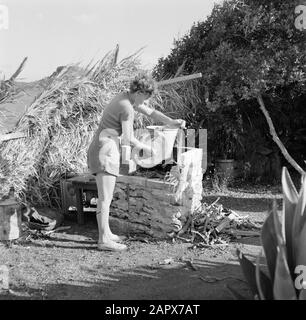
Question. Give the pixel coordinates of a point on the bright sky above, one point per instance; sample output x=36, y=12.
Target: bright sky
x=58, y=32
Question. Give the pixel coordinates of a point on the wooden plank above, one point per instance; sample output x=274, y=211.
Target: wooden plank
x=80, y=211
x=179, y=79
x=203, y=146
x=11, y=136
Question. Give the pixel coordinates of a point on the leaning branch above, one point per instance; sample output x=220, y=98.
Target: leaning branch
x=18, y=71
x=276, y=139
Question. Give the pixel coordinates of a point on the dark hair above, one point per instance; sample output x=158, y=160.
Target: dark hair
x=143, y=83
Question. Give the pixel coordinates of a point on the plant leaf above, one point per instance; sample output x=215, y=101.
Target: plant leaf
x=298, y=220
x=277, y=225
x=264, y=285
x=235, y=294
x=303, y=219
x=302, y=295
x=301, y=250
x=290, y=199
x=287, y=223
x=283, y=288
x=248, y=270
x=289, y=189
x=269, y=243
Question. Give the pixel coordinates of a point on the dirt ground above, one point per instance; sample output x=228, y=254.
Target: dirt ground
x=68, y=266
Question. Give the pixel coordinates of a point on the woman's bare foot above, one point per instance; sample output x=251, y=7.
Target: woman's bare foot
x=110, y=245
x=116, y=238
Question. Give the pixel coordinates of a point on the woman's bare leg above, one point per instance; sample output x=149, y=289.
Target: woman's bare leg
x=106, y=185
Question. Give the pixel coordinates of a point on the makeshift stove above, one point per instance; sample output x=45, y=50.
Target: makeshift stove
x=159, y=201
x=153, y=200
x=156, y=202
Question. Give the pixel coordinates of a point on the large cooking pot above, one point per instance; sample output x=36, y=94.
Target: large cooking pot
x=162, y=139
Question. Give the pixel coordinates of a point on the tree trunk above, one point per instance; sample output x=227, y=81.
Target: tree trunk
x=277, y=139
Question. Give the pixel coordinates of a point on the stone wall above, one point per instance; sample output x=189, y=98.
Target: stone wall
x=158, y=208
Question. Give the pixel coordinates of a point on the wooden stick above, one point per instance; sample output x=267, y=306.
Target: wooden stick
x=199, y=234
x=18, y=71
x=213, y=203
x=57, y=229
x=186, y=226
x=214, y=279
x=212, y=246
x=179, y=79
x=11, y=136
x=244, y=233
x=224, y=223
x=190, y=264
x=182, y=238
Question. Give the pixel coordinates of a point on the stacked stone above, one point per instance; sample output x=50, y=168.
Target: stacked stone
x=158, y=208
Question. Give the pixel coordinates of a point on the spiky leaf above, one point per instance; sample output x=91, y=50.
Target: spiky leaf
x=283, y=288
x=289, y=189
x=301, y=250
x=269, y=243
x=303, y=194
x=235, y=294
x=264, y=285
x=249, y=271
x=299, y=220
x=290, y=199
x=277, y=225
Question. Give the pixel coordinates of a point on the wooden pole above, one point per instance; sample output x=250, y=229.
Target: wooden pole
x=18, y=71
x=179, y=79
x=11, y=136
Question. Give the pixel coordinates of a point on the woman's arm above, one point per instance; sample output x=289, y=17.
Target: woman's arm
x=160, y=117
x=128, y=137
x=127, y=121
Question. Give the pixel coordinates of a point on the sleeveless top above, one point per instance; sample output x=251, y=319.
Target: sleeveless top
x=116, y=112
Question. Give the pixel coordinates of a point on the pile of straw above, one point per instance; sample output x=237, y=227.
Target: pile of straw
x=7, y=88
x=60, y=124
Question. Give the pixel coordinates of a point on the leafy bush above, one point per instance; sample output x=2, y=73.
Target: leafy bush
x=249, y=52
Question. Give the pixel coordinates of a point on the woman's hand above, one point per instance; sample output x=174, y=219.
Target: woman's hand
x=178, y=123
x=149, y=151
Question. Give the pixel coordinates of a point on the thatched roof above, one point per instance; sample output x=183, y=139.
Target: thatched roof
x=60, y=123
x=60, y=119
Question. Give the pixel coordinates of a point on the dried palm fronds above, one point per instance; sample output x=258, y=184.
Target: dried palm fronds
x=7, y=89
x=60, y=124
x=179, y=100
x=61, y=121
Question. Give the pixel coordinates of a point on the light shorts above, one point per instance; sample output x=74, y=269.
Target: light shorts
x=103, y=155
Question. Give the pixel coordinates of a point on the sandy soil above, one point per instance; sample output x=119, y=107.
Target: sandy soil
x=68, y=266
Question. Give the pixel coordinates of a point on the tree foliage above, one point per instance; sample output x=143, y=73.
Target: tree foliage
x=244, y=49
